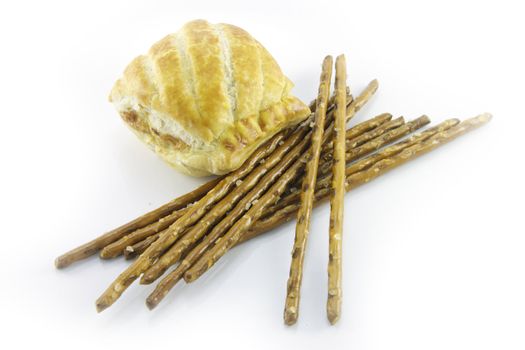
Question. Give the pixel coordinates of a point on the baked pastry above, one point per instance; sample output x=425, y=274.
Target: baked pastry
x=206, y=97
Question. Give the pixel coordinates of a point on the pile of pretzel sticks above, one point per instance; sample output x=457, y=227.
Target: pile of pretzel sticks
x=283, y=179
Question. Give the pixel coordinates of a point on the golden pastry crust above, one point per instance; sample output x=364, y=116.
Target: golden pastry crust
x=206, y=97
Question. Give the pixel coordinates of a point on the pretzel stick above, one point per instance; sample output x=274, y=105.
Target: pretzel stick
x=95, y=245
x=363, y=149
x=351, y=134
x=351, y=143
x=337, y=194
x=138, y=248
x=126, y=242
x=179, y=248
x=372, y=146
x=396, y=148
x=254, y=186
x=233, y=235
x=365, y=170
x=92, y=247
x=294, y=146
x=390, y=125
x=181, y=245
x=174, y=253
x=242, y=225
x=365, y=126
x=331, y=101
x=293, y=198
x=168, y=282
x=192, y=215
x=350, y=155
x=116, y=248
x=388, y=137
x=230, y=238
x=307, y=195
x=354, y=154
x=151, y=254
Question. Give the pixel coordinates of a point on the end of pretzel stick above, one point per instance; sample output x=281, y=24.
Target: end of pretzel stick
x=484, y=118
x=370, y=90
x=60, y=262
x=109, y=297
x=101, y=306
x=290, y=316
x=152, y=302
x=333, y=310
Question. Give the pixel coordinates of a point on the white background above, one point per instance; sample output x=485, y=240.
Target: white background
x=433, y=251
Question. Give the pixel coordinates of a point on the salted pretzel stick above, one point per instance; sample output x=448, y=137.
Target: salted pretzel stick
x=268, y=173
x=132, y=251
x=333, y=306
x=173, y=255
x=192, y=215
x=95, y=245
x=212, y=255
x=232, y=236
x=138, y=248
x=389, y=136
x=353, y=154
x=242, y=225
x=177, y=250
x=358, y=151
x=195, y=256
x=292, y=199
x=281, y=158
x=181, y=246
x=353, y=134
x=92, y=247
x=372, y=146
x=355, y=150
x=331, y=101
x=120, y=246
x=327, y=149
x=382, y=129
x=366, y=126
x=371, y=167
x=116, y=248
x=149, y=257
x=398, y=147
x=350, y=143
x=307, y=195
